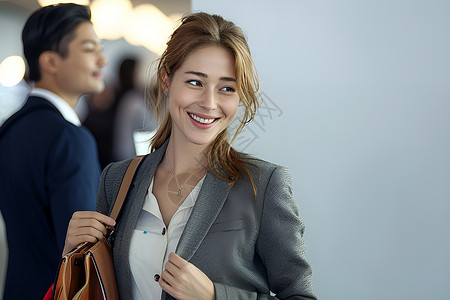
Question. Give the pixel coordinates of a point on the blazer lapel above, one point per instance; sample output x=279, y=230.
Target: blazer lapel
x=209, y=203
x=128, y=222
x=142, y=182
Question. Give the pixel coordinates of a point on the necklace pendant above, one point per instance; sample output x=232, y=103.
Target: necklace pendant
x=179, y=192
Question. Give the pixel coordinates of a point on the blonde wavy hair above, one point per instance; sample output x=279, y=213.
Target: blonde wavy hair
x=199, y=30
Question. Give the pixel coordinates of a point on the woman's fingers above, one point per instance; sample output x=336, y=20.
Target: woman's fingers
x=171, y=273
x=177, y=260
x=166, y=279
x=94, y=215
x=171, y=267
x=185, y=281
x=86, y=226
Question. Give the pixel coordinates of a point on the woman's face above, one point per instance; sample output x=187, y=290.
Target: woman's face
x=203, y=96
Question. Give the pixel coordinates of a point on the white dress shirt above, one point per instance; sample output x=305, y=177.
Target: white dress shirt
x=64, y=108
x=152, y=243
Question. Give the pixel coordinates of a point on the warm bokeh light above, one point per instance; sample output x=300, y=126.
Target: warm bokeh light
x=149, y=27
x=12, y=70
x=144, y=25
x=109, y=17
x=50, y=2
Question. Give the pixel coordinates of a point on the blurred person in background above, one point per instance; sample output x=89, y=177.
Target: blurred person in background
x=117, y=113
x=99, y=121
x=132, y=113
x=49, y=164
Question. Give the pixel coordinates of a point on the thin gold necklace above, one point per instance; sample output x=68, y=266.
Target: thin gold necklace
x=175, y=177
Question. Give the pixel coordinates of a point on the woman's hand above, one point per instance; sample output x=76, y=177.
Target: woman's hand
x=184, y=281
x=86, y=226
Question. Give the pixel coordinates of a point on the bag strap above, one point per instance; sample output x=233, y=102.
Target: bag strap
x=125, y=185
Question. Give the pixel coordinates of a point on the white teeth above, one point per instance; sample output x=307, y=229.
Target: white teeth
x=201, y=120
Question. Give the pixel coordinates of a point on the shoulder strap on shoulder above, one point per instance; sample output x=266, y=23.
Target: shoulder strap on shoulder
x=125, y=186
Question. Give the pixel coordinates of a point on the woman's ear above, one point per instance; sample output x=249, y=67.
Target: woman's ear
x=165, y=81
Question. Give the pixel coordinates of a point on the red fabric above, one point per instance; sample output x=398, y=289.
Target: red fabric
x=48, y=295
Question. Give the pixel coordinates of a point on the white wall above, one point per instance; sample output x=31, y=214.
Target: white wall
x=12, y=19
x=362, y=119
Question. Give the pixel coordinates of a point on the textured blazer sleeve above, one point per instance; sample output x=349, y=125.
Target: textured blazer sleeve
x=279, y=245
x=73, y=174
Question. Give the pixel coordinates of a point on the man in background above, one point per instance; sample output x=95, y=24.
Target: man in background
x=49, y=164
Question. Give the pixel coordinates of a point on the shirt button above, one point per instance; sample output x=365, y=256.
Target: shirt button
x=163, y=231
x=156, y=277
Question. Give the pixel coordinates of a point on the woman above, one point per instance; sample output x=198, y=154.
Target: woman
x=202, y=220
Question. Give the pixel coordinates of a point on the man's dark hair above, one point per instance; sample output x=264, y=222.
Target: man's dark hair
x=51, y=28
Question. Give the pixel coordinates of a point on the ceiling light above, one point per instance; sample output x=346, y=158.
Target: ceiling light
x=109, y=17
x=148, y=26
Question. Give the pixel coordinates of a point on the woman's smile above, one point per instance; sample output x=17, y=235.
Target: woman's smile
x=202, y=121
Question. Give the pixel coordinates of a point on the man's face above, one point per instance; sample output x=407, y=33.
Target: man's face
x=80, y=71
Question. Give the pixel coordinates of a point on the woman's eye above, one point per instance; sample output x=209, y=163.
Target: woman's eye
x=89, y=50
x=228, y=89
x=195, y=82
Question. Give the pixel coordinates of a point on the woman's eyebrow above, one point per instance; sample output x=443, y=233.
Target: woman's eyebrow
x=197, y=73
x=206, y=76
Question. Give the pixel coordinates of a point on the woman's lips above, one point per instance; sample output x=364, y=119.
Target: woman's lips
x=202, y=121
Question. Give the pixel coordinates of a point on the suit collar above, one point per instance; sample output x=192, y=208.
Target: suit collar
x=209, y=203
x=63, y=107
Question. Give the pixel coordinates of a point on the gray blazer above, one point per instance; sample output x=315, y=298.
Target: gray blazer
x=247, y=247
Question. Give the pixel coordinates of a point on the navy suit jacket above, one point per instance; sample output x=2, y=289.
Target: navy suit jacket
x=48, y=170
x=248, y=247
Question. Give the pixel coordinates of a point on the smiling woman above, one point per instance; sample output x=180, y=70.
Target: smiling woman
x=203, y=221
x=202, y=95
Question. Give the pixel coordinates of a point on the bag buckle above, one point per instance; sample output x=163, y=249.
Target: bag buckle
x=78, y=261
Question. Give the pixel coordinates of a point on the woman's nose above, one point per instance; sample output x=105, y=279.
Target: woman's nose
x=209, y=100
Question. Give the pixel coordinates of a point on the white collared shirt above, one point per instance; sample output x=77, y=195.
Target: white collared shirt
x=152, y=243
x=64, y=108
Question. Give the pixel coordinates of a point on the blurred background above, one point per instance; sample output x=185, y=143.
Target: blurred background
x=356, y=104
x=134, y=34
x=134, y=28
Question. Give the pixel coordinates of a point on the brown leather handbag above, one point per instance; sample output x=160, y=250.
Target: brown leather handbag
x=87, y=272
